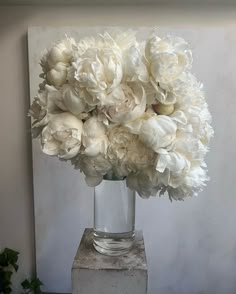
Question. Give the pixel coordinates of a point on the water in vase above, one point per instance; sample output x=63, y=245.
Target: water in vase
x=114, y=217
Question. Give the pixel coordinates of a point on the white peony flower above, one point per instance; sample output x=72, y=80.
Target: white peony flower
x=157, y=94
x=44, y=104
x=126, y=152
x=135, y=69
x=146, y=182
x=191, y=184
x=134, y=65
x=84, y=44
x=39, y=109
x=175, y=164
x=71, y=100
x=158, y=132
x=179, y=159
x=67, y=99
x=168, y=58
x=199, y=119
x=99, y=71
x=192, y=103
x=129, y=103
x=172, y=160
x=121, y=39
x=62, y=136
x=134, y=126
x=94, y=137
x=61, y=52
x=57, y=76
x=113, y=39
x=56, y=61
x=94, y=168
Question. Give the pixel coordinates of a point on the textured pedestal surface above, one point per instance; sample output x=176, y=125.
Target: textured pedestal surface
x=94, y=273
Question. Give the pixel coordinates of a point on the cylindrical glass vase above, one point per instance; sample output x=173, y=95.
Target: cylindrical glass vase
x=114, y=217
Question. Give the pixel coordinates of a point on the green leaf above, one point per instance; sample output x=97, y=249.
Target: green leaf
x=7, y=276
x=36, y=283
x=26, y=284
x=12, y=257
x=9, y=257
x=7, y=290
x=15, y=266
x=8, y=262
x=32, y=285
x=3, y=260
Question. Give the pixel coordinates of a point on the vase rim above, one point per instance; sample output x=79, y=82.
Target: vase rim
x=112, y=177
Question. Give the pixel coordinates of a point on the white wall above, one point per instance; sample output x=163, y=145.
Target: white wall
x=16, y=196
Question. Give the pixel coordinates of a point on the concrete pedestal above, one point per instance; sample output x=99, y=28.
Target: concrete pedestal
x=94, y=273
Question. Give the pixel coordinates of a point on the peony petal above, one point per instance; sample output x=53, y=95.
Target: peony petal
x=62, y=136
x=158, y=132
x=93, y=181
x=72, y=101
x=173, y=161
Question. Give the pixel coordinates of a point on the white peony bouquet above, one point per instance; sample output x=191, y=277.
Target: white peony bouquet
x=117, y=107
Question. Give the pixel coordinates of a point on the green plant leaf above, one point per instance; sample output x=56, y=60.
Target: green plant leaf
x=3, y=260
x=9, y=257
x=36, y=283
x=26, y=284
x=7, y=290
x=8, y=262
x=33, y=285
x=15, y=266
x=7, y=276
x=12, y=257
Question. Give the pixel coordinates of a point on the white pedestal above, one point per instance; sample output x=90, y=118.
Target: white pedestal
x=94, y=273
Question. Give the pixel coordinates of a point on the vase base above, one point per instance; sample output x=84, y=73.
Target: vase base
x=113, y=244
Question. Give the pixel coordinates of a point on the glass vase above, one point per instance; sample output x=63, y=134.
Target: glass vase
x=114, y=217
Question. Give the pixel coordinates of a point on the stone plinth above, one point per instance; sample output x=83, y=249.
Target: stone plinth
x=94, y=273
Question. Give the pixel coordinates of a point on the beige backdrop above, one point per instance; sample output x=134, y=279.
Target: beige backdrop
x=207, y=266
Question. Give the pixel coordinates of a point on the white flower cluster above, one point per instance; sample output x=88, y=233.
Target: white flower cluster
x=113, y=105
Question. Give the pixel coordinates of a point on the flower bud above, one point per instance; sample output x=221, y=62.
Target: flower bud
x=57, y=76
x=163, y=108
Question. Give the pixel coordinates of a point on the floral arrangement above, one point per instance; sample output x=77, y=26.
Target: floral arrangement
x=116, y=107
